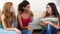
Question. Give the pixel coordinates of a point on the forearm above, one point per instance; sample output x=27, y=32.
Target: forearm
x=54, y=25
x=42, y=24
x=23, y=27
x=10, y=29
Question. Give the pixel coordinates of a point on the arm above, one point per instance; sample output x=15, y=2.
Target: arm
x=6, y=28
x=4, y=25
x=43, y=15
x=42, y=23
x=54, y=25
x=20, y=22
x=31, y=16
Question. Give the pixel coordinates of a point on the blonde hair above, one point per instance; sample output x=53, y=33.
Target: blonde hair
x=7, y=13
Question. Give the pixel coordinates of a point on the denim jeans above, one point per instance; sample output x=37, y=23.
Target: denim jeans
x=26, y=32
x=49, y=30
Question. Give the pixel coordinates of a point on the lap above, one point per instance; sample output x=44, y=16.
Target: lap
x=2, y=31
x=26, y=32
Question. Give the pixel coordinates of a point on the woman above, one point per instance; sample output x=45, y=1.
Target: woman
x=51, y=11
x=24, y=17
x=8, y=19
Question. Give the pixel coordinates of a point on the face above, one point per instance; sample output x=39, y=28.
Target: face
x=27, y=8
x=48, y=9
x=11, y=9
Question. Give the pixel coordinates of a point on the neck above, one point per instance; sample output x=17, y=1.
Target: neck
x=50, y=14
x=25, y=12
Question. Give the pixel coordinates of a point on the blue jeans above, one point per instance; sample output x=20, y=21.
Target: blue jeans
x=49, y=30
x=26, y=32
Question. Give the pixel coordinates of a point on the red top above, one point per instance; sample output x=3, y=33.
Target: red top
x=25, y=22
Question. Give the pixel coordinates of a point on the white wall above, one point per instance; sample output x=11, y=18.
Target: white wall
x=37, y=6
x=15, y=4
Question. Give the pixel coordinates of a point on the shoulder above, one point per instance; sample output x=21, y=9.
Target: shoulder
x=44, y=14
x=31, y=13
x=2, y=16
x=19, y=15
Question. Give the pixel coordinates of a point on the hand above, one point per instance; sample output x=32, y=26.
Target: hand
x=30, y=29
x=18, y=31
x=46, y=22
x=42, y=23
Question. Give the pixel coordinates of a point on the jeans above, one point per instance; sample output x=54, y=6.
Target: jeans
x=49, y=30
x=26, y=32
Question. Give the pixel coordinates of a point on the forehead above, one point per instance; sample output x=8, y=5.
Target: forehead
x=48, y=6
x=28, y=5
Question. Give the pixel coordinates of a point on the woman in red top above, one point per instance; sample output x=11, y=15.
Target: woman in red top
x=25, y=16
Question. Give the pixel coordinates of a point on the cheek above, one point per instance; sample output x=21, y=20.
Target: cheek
x=49, y=10
x=27, y=9
x=11, y=9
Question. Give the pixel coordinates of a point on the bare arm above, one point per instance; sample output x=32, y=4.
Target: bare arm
x=54, y=25
x=43, y=15
x=31, y=16
x=20, y=22
x=4, y=25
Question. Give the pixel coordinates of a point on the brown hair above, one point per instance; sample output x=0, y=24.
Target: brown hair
x=59, y=20
x=0, y=16
x=7, y=13
x=0, y=19
x=54, y=9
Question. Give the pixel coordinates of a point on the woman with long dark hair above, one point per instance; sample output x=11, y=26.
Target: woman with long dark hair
x=51, y=11
x=25, y=16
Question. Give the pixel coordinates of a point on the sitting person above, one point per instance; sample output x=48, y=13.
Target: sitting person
x=25, y=16
x=51, y=11
x=8, y=20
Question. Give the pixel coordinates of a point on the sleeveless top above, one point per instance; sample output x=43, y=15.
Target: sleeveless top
x=11, y=22
x=1, y=25
x=14, y=23
x=25, y=22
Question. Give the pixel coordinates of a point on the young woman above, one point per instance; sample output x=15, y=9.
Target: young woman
x=25, y=16
x=51, y=11
x=8, y=19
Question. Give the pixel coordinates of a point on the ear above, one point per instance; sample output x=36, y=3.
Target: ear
x=23, y=7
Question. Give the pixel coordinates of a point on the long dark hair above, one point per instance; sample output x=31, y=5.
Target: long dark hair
x=21, y=5
x=54, y=9
x=59, y=20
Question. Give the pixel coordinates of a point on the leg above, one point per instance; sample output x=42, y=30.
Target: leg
x=29, y=32
x=43, y=32
x=26, y=32
x=48, y=29
x=54, y=30
x=51, y=30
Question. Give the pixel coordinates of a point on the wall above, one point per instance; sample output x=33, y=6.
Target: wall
x=37, y=6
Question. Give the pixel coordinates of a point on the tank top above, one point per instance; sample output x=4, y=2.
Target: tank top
x=25, y=22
